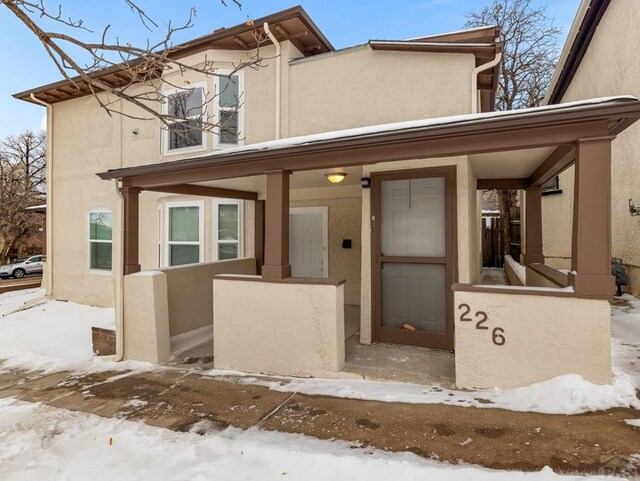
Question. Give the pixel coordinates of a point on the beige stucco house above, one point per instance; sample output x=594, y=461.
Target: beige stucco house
x=601, y=57
x=245, y=235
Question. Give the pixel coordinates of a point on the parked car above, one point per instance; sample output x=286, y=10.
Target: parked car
x=19, y=269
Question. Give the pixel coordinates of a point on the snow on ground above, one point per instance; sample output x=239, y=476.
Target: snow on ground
x=53, y=335
x=569, y=394
x=625, y=337
x=41, y=442
x=57, y=335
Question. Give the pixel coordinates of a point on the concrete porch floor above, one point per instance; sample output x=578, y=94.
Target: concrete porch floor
x=378, y=361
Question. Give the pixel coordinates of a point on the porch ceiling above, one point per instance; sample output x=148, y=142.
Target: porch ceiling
x=557, y=126
x=512, y=164
x=308, y=179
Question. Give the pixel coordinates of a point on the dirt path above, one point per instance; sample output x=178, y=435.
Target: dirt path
x=493, y=438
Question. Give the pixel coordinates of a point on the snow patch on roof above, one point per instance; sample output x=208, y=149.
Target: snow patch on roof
x=405, y=126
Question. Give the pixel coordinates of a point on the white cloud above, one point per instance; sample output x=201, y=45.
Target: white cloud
x=43, y=122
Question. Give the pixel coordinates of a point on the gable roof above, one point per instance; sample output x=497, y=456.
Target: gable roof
x=293, y=24
x=589, y=14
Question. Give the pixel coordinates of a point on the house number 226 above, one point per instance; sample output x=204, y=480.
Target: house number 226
x=481, y=317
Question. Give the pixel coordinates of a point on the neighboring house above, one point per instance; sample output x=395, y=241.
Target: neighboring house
x=601, y=58
x=247, y=233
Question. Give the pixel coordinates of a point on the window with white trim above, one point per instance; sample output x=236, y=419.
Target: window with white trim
x=184, y=233
x=100, y=239
x=187, y=108
x=227, y=229
x=230, y=115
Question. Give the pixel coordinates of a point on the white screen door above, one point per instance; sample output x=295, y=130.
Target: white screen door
x=308, y=241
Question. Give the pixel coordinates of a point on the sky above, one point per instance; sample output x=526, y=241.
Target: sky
x=344, y=22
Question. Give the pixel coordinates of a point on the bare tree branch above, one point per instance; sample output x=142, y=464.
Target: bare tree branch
x=144, y=73
x=529, y=58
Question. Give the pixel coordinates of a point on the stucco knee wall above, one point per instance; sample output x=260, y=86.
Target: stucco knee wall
x=278, y=328
x=146, y=317
x=189, y=295
x=544, y=337
x=535, y=279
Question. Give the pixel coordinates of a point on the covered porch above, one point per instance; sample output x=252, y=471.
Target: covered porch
x=271, y=322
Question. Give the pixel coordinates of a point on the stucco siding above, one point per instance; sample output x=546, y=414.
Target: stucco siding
x=360, y=86
x=611, y=66
x=347, y=89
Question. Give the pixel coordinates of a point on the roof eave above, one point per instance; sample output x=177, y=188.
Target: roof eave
x=590, y=12
x=620, y=112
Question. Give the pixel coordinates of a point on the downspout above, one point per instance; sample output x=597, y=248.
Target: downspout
x=119, y=268
x=119, y=278
x=474, y=80
x=49, y=225
x=276, y=44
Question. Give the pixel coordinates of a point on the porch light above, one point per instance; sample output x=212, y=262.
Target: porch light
x=335, y=177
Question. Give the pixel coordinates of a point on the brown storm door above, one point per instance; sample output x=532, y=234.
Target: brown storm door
x=414, y=254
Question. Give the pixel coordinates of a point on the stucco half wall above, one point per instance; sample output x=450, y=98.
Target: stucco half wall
x=529, y=338
x=291, y=328
x=189, y=294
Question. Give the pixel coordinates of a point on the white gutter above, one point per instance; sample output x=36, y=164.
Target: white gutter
x=118, y=269
x=276, y=44
x=119, y=279
x=474, y=80
x=575, y=28
x=48, y=214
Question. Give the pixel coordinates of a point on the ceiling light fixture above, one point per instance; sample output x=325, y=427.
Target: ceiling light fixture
x=335, y=177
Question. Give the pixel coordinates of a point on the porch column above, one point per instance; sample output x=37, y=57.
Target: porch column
x=276, y=248
x=131, y=229
x=533, y=226
x=259, y=235
x=591, y=239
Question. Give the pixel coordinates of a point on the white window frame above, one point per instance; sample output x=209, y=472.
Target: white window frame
x=241, y=94
x=216, y=242
x=165, y=132
x=167, y=224
x=94, y=270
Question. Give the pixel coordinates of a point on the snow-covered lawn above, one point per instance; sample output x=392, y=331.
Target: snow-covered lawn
x=57, y=335
x=52, y=336
x=44, y=443
x=41, y=442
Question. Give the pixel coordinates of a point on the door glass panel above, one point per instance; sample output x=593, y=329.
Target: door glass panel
x=414, y=295
x=413, y=217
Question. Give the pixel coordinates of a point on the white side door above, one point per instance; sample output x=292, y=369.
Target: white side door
x=308, y=241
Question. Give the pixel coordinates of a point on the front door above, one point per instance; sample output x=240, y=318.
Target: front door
x=414, y=252
x=308, y=241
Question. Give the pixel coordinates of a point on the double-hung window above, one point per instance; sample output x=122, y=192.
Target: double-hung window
x=100, y=239
x=185, y=112
x=227, y=229
x=230, y=108
x=184, y=233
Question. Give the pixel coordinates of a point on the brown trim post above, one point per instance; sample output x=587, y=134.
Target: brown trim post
x=533, y=226
x=276, y=249
x=259, y=235
x=591, y=239
x=131, y=196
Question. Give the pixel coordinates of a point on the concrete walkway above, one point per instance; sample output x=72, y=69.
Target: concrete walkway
x=177, y=399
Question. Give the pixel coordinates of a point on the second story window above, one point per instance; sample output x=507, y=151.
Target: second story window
x=185, y=108
x=230, y=109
